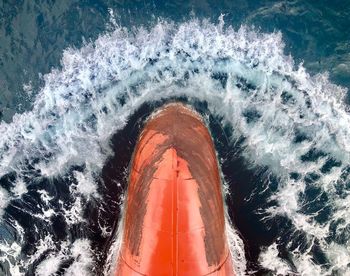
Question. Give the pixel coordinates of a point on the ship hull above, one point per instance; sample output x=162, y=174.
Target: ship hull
x=174, y=220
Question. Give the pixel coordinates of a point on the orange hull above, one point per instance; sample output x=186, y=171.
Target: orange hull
x=174, y=216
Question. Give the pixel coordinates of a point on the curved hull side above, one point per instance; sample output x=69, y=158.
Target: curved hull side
x=174, y=216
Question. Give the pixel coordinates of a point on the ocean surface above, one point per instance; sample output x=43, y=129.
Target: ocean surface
x=79, y=78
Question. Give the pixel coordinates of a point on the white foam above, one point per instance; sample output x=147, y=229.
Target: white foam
x=48, y=267
x=83, y=256
x=340, y=257
x=4, y=200
x=116, y=244
x=73, y=214
x=41, y=247
x=79, y=251
x=236, y=247
x=45, y=196
x=20, y=188
x=86, y=184
x=306, y=266
x=10, y=252
x=28, y=88
x=269, y=259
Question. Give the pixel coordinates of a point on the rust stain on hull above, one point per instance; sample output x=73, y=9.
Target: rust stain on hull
x=174, y=216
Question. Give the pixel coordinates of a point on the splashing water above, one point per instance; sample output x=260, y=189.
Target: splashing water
x=294, y=124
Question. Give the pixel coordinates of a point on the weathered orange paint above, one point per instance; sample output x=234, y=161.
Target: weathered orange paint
x=174, y=217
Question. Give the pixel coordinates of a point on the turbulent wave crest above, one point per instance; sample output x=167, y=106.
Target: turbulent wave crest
x=294, y=124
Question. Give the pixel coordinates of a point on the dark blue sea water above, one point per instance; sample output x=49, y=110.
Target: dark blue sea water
x=79, y=78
